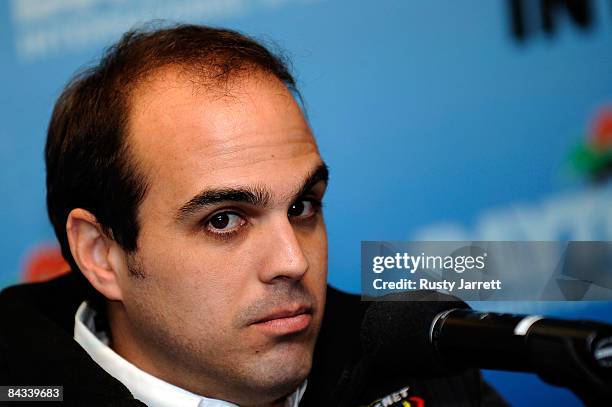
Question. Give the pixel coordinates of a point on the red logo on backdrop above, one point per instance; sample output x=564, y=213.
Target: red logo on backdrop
x=44, y=262
x=602, y=130
x=594, y=158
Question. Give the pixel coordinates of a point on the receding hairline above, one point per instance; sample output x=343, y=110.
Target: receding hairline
x=212, y=89
x=202, y=80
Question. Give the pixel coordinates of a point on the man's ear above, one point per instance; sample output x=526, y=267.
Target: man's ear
x=99, y=257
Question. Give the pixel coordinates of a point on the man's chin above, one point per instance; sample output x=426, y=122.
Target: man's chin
x=281, y=371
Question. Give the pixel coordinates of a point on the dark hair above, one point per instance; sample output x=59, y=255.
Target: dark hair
x=87, y=158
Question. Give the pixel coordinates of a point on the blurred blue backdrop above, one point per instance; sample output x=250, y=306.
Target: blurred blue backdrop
x=439, y=120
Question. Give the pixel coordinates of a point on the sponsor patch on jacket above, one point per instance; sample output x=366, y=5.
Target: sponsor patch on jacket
x=399, y=398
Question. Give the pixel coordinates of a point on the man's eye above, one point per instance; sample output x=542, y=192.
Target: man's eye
x=302, y=209
x=224, y=222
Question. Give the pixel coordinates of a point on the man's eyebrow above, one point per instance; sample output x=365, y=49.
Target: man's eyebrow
x=255, y=196
x=252, y=195
x=321, y=173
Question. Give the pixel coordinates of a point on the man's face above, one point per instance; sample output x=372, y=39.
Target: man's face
x=232, y=244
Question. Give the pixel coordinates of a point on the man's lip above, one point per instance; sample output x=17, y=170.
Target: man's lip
x=284, y=313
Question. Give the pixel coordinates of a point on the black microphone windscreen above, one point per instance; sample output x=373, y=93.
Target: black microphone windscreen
x=395, y=332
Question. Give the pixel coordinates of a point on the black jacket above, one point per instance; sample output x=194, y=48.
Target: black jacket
x=37, y=348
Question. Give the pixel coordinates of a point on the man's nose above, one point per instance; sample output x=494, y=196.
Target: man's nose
x=285, y=258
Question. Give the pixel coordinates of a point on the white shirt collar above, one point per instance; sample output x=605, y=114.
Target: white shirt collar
x=147, y=388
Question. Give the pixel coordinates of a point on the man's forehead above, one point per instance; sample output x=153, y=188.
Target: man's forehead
x=173, y=108
x=183, y=134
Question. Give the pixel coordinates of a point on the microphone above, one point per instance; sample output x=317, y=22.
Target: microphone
x=445, y=335
x=395, y=332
